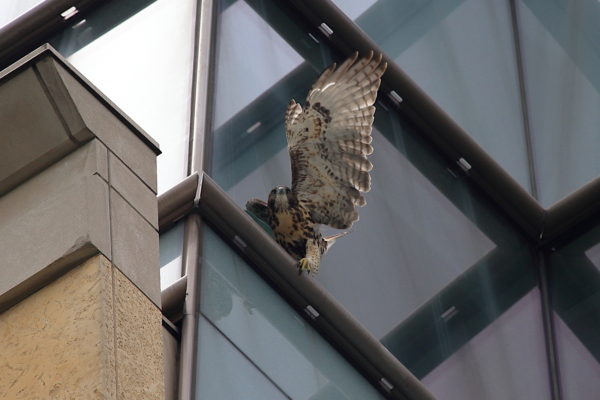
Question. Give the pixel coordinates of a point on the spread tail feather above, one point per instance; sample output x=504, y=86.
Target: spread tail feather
x=330, y=240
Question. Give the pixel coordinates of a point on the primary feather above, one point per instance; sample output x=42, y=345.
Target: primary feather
x=329, y=140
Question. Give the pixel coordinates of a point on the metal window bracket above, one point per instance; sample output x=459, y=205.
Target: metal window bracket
x=325, y=29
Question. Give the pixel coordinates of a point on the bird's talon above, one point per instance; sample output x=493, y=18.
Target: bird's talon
x=306, y=265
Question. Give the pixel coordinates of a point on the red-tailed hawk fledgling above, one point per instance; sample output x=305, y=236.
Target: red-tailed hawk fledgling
x=329, y=139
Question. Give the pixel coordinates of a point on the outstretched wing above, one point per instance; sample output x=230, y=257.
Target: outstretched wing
x=329, y=140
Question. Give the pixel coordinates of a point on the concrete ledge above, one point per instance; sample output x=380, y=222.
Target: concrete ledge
x=47, y=109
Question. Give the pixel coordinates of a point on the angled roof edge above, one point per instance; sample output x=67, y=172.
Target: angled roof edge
x=542, y=225
x=47, y=50
x=572, y=210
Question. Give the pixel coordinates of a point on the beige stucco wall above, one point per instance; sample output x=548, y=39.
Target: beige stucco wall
x=90, y=334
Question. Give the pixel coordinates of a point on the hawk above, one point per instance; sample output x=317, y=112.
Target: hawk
x=329, y=139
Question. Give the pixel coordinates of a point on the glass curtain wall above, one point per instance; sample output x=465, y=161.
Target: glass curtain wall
x=463, y=53
x=438, y=267
x=561, y=62
x=446, y=281
x=139, y=53
x=253, y=345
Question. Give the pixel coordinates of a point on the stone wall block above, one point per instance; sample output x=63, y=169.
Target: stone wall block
x=139, y=343
x=135, y=247
x=59, y=342
x=132, y=189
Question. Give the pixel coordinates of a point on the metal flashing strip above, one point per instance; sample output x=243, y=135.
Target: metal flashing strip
x=364, y=351
x=202, y=86
x=514, y=18
x=191, y=308
x=172, y=299
x=177, y=202
x=577, y=208
x=349, y=337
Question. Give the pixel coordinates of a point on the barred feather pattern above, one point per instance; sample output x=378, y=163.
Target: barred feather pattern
x=329, y=139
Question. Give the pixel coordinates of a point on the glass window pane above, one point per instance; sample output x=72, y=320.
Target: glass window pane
x=574, y=279
x=562, y=76
x=139, y=54
x=171, y=248
x=269, y=333
x=13, y=9
x=501, y=362
x=434, y=261
x=579, y=369
x=225, y=373
x=462, y=54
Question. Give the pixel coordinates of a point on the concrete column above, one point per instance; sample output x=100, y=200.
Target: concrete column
x=79, y=276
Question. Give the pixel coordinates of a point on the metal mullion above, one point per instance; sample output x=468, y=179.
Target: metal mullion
x=200, y=126
x=202, y=87
x=548, y=326
x=523, y=99
x=191, y=309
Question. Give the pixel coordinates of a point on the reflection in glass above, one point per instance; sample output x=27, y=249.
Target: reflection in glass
x=462, y=54
x=267, y=331
x=574, y=281
x=562, y=73
x=508, y=354
x=171, y=248
x=433, y=261
x=579, y=369
x=225, y=373
x=139, y=54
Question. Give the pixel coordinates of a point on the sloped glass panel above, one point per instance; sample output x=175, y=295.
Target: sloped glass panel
x=506, y=360
x=269, y=333
x=462, y=54
x=225, y=373
x=561, y=57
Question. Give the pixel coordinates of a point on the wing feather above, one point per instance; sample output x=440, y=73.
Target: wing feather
x=329, y=140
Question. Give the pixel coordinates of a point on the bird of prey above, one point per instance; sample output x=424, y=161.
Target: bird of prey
x=329, y=139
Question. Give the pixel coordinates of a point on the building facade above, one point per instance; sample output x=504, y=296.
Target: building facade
x=473, y=273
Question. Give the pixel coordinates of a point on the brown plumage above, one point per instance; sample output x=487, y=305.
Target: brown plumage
x=329, y=139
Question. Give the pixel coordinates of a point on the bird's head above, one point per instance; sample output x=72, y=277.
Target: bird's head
x=281, y=198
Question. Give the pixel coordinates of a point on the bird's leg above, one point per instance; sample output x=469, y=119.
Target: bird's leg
x=312, y=259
